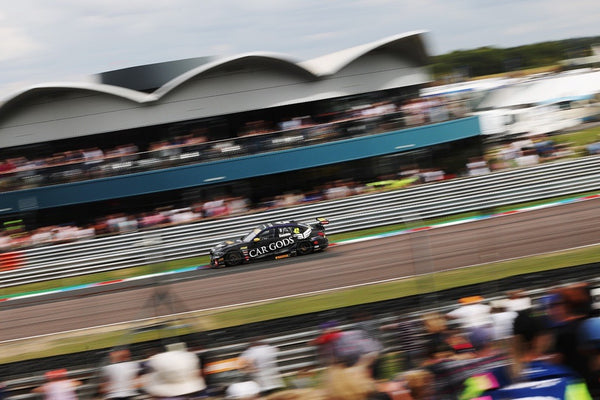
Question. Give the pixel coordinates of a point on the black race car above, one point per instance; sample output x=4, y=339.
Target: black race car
x=272, y=240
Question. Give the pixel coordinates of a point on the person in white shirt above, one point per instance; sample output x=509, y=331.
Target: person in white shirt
x=502, y=320
x=58, y=386
x=120, y=376
x=472, y=313
x=260, y=360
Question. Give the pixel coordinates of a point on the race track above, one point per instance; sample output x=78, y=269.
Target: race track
x=545, y=230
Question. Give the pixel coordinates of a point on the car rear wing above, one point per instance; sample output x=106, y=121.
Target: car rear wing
x=321, y=223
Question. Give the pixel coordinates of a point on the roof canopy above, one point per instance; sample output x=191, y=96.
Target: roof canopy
x=210, y=87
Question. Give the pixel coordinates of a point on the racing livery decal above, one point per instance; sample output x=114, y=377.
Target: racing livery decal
x=278, y=245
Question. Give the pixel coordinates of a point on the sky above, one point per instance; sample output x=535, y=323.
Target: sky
x=45, y=41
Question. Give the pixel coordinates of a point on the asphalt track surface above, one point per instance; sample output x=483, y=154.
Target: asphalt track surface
x=521, y=234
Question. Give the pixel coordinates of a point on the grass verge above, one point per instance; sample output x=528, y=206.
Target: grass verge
x=93, y=339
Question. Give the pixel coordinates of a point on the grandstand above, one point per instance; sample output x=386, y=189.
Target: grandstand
x=251, y=126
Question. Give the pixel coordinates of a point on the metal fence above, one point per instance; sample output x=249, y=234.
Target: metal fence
x=353, y=213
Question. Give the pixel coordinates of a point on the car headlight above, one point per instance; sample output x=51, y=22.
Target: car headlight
x=217, y=253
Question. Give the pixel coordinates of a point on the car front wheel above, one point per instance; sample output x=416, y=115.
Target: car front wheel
x=233, y=259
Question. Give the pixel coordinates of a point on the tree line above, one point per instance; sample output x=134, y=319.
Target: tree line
x=491, y=60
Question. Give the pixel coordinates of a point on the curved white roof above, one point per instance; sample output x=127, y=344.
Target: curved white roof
x=283, y=60
x=331, y=63
x=117, y=91
x=412, y=42
x=269, y=80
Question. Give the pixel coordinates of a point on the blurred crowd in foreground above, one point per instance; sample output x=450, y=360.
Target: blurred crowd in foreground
x=517, y=347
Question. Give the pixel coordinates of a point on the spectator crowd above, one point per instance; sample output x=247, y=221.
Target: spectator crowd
x=196, y=145
x=516, y=347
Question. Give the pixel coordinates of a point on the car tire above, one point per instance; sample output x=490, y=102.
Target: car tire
x=232, y=259
x=304, y=248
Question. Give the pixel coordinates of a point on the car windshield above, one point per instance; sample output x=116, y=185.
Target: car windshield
x=252, y=234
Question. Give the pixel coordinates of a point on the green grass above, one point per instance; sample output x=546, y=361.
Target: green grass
x=580, y=138
x=303, y=304
x=104, y=276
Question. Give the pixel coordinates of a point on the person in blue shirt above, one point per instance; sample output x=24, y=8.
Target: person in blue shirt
x=533, y=374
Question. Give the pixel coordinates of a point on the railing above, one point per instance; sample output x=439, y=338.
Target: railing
x=46, y=173
x=349, y=214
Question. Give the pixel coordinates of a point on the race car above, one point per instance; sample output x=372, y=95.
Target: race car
x=271, y=241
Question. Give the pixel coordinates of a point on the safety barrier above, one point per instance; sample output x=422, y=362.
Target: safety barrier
x=353, y=213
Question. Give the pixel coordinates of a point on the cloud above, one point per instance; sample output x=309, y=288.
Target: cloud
x=47, y=40
x=15, y=44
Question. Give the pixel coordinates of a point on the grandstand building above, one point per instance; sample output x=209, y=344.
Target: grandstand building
x=253, y=125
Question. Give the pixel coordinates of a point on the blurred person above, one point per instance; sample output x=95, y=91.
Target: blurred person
x=502, y=320
x=120, y=377
x=477, y=166
x=93, y=158
x=128, y=224
x=215, y=208
x=472, y=313
x=63, y=234
x=5, y=241
x=533, y=372
x=7, y=166
x=260, y=361
x=174, y=374
x=570, y=307
x=312, y=196
x=151, y=219
x=41, y=236
x=420, y=384
x=73, y=156
x=87, y=232
x=408, y=334
x=517, y=300
x=353, y=345
x=238, y=205
x=182, y=216
x=58, y=386
x=342, y=382
x=298, y=394
x=432, y=175
x=365, y=322
x=325, y=341
x=589, y=339
x=337, y=190
x=113, y=221
x=436, y=329
x=459, y=341
x=246, y=389
x=452, y=372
